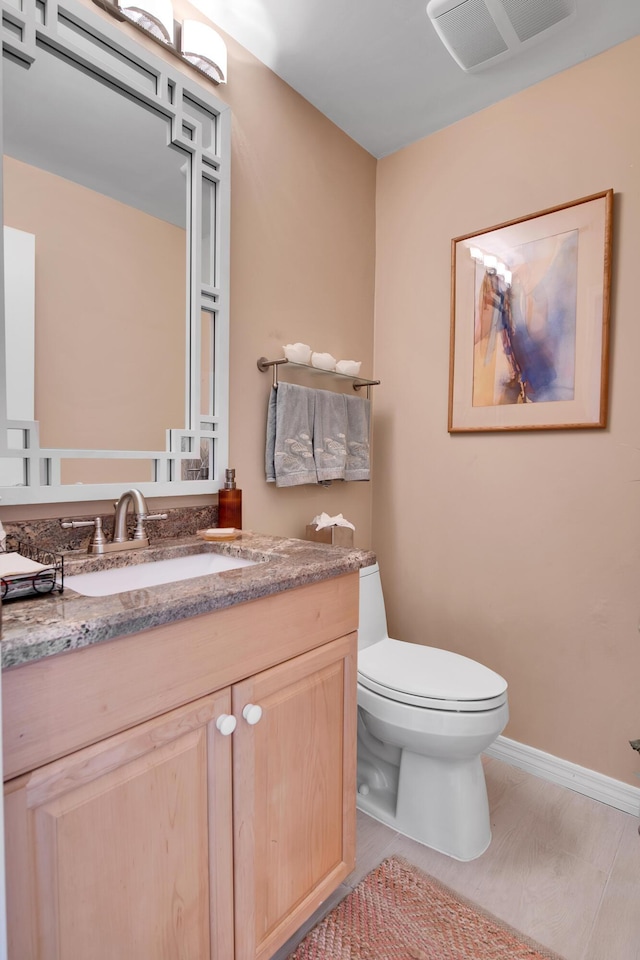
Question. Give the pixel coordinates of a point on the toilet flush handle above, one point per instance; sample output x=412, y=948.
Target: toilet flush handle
x=252, y=713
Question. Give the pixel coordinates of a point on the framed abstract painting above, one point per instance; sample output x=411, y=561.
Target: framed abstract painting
x=530, y=321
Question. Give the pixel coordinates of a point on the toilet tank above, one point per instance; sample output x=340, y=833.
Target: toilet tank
x=372, y=625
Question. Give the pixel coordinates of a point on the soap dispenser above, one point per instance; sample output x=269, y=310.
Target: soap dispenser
x=230, y=502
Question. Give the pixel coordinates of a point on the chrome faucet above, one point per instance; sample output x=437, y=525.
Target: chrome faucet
x=139, y=503
x=121, y=541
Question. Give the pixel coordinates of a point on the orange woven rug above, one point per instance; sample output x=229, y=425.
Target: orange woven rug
x=399, y=913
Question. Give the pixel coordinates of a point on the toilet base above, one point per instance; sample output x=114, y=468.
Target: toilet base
x=440, y=803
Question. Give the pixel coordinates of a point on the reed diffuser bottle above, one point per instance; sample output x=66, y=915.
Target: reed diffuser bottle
x=230, y=502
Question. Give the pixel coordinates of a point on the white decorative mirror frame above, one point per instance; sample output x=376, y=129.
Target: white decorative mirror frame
x=200, y=127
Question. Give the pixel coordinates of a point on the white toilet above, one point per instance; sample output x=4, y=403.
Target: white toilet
x=424, y=717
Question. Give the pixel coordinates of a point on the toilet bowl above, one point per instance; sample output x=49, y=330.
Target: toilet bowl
x=424, y=717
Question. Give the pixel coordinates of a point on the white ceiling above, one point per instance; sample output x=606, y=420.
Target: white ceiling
x=379, y=71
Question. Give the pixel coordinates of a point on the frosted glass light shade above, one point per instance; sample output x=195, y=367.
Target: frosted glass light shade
x=203, y=47
x=154, y=16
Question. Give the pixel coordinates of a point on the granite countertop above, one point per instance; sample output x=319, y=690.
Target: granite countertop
x=39, y=627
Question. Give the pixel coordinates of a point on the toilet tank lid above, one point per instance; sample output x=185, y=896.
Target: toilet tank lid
x=428, y=672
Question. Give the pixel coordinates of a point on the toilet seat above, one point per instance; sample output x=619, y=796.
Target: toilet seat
x=429, y=677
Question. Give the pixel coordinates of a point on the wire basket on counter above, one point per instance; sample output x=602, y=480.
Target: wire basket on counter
x=38, y=582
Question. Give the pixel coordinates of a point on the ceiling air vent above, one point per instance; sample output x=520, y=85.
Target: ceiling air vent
x=481, y=32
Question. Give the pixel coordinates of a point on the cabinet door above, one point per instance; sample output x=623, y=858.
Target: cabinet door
x=294, y=793
x=109, y=849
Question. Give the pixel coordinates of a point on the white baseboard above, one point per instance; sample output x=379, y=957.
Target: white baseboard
x=567, y=774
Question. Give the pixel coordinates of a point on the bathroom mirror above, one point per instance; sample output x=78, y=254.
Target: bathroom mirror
x=114, y=344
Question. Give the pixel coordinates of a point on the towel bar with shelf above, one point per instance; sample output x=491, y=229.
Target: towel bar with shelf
x=358, y=382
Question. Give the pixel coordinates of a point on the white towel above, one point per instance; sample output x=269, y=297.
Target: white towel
x=15, y=565
x=358, y=422
x=289, y=446
x=330, y=435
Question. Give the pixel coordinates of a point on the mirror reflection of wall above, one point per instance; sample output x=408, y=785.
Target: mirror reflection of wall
x=103, y=379
x=89, y=173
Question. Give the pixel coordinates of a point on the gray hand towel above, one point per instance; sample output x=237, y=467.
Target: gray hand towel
x=358, y=422
x=270, y=447
x=289, y=447
x=330, y=435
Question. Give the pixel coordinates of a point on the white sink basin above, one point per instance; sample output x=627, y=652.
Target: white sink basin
x=104, y=583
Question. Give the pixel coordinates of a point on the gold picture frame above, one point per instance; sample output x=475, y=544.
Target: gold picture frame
x=530, y=321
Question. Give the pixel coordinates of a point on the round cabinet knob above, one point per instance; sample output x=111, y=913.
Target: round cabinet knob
x=226, y=724
x=252, y=713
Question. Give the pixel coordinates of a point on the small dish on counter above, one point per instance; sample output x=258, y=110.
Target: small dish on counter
x=219, y=533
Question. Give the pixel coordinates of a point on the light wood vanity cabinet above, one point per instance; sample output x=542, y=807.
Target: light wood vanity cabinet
x=108, y=848
x=294, y=793
x=169, y=840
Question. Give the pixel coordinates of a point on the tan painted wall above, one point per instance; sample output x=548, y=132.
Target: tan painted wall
x=302, y=269
x=518, y=550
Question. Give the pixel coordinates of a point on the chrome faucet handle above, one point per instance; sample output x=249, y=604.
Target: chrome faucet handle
x=140, y=533
x=98, y=539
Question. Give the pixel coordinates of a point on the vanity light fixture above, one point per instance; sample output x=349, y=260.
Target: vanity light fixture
x=194, y=42
x=156, y=17
x=203, y=47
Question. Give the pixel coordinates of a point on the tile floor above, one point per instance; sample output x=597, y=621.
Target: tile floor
x=561, y=868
